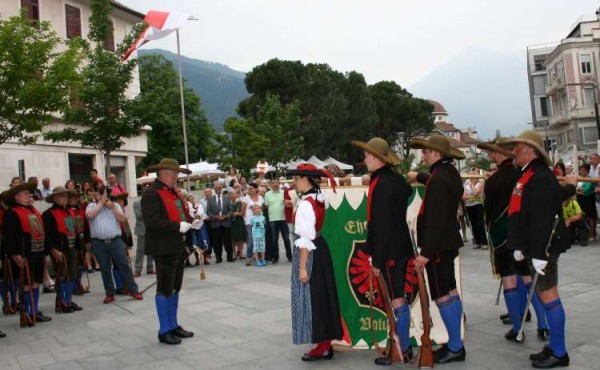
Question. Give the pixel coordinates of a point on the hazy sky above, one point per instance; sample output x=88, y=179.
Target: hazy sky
x=400, y=40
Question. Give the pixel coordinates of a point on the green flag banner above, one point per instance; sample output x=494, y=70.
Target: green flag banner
x=345, y=230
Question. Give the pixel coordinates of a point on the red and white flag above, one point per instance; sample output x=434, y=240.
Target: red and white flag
x=160, y=24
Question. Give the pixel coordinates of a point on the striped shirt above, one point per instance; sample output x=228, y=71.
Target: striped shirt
x=105, y=225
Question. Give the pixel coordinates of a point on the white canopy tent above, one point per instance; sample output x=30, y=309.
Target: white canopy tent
x=316, y=161
x=198, y=169
x=341, y=165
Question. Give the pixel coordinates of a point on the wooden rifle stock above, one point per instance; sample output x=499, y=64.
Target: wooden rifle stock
x=395, y=352
x=426, y=353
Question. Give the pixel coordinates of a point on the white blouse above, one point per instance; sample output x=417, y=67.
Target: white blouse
x=305, y=222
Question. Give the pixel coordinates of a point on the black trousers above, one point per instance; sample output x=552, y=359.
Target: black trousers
x=279, y=227
x=169, y=273
x=475, y=213
x=221, y=236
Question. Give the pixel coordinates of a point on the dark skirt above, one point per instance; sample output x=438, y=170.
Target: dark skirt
x=315, y=306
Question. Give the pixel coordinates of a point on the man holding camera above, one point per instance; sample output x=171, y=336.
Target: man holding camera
x=105, y=216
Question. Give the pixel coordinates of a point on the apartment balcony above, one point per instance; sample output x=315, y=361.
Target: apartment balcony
x=557, y=84
x=559, y=118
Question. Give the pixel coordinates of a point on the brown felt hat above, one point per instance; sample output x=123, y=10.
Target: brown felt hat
x=168, y=164
x=9, y=195
x=58, y=191
x=380, y=149
x=495, y=146
x=531, y=138
x=439, y=143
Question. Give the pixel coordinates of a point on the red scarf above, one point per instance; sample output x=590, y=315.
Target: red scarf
x=31, y=219
x=176, y=210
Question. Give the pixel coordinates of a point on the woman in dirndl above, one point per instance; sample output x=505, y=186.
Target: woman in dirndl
x=315, y=307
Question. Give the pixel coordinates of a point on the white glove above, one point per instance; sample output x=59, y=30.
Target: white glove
x=539, y=265
x=197, y=224
x=184, y=227
x=518, y=256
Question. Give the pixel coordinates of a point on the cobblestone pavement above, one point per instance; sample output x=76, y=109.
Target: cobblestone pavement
x=241, y=318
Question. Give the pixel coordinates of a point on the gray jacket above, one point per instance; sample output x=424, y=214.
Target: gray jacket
x=212, y=210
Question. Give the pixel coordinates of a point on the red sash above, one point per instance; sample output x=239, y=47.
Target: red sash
x=65, y=223
x=319, y=208
x=174, y=206
x=370, y=197
x=514, y=206
x=78, y=216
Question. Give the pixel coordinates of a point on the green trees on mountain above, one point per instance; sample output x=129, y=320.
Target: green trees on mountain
x=336, y=108
x=159, y=107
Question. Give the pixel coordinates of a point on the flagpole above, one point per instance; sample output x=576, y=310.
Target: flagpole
x=183, y=125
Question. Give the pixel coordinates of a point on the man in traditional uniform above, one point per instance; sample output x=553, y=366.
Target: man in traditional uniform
x=439, y=237
x=537, y=197
x=166, y=225
x=23, y=243
x=388, y=238
x=498, y=189
x=62, y=241
x=83, y=232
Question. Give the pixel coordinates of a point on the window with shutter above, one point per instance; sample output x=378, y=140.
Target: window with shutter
x=73, y=16
x=33, y=9
x=109, y=43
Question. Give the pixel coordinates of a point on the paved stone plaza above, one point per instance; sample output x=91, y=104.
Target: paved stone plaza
x=241, y=318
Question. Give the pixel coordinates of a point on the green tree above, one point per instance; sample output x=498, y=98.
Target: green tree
x=34, y=77
x=280, y=126
x=241, y=146
x=103, y=107
x=159, y=106
x=399, y=114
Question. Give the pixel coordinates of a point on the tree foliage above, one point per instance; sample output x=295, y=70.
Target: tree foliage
x=159, y=106
x=102, y=104
x=241, y=146
x=336, y=108
x=34, y=77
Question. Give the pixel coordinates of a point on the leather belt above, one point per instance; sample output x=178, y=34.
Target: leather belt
x=106, y=240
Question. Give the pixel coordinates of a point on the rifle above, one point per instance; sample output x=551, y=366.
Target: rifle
x=426, y=351
x=9, y=289
x=26, y=319
x=395, y=350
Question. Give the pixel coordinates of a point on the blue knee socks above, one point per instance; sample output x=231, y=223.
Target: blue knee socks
x=522, y=289
x=512, y=300
x=538, y=307
x=162, y=309
x=118, y=279
x=451, y=312
x=36, y=298
x=556, y=320
x=173, y=306
x=402, y=314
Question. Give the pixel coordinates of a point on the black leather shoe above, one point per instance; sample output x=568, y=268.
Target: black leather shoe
x=66, y=309
x=445, y=355
x=182, y=333
x=76, y=307
x=219, y=259
x=275, y=260
x=2, y=334
x=511, y=336
x=40, y=317
x=383, y=361
x=48, y=289
x=168, y=338
x=230, y=259
x=543, y=334
x=504, y=316
x=551, y=362
x=542, y=355
x=325, y=355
